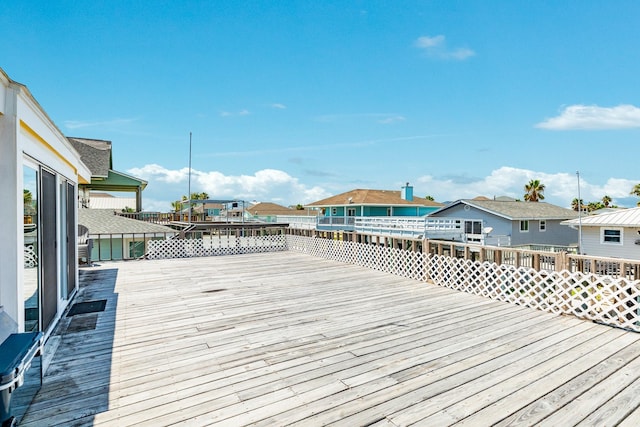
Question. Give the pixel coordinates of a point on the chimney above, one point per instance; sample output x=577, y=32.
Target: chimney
x=407, y=193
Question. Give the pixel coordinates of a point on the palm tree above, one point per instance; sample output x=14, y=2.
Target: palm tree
x=577, y=204
x=429, y=198
x=534, y=191
x=594, y=206
x=177, y=206
x=636, y=191
x=199, y=196
x=606, y=200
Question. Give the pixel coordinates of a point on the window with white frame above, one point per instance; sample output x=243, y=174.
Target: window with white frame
x=524, y=226
x=543, y=225
x=334, y=211
x=611, y=236
x=351, y=211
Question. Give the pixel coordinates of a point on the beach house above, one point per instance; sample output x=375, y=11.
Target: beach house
x=40, y=173
x=339, y=212
x=514, y=223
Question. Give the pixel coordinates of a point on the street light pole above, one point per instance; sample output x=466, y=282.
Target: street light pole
x=189, y=191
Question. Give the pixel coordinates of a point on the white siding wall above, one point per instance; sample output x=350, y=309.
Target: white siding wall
x=25, y=132
x=591, y=244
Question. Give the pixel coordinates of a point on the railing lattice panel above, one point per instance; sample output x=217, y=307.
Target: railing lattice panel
x=610, y=300
x=228, y=245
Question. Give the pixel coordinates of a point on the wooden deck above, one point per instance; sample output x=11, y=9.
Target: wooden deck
x=288, y=339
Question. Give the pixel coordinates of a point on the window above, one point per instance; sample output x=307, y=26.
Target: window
x=524, y=226
x=473, y=227
x=612, y=236
x=543, y=225
x=334, y=211
x=351, y=211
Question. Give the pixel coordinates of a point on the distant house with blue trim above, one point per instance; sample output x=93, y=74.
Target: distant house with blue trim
x=514, y=223
x=339, y=212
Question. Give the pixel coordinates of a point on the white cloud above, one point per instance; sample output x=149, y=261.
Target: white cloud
x=426, y=42
x=279, y=106
x=560, y=188
x=166, y=185
x=272, y=185
x=391, y=120
x=79, y=124
x=234, y=114
x=594, y=117
x=436, y=47
x=384, y=118
x=158, y=173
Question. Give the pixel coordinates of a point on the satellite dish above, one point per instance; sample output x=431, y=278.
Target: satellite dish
x=487, y=230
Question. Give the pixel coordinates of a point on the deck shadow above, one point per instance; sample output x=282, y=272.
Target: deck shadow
x=81, y=346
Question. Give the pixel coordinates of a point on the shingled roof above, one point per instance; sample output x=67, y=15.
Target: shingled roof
x=268, y=208
x=373, y=198
x=105, y=221
x=95, y=153
x=514, y=210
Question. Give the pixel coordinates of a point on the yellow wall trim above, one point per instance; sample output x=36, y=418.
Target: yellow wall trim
x=40, y=139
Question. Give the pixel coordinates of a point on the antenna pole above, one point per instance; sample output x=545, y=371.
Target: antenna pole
x=579, y=216
x=189, y=190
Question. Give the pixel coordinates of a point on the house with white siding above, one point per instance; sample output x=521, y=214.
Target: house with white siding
x=614, y=234
x=40, y=172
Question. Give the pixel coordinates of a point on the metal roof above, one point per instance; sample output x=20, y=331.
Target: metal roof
x=621, y=218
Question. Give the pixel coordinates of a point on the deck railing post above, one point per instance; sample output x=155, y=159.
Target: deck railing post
x=536, y=261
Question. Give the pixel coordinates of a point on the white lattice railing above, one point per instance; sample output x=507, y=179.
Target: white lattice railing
x=610, y=300
x=225, y=245
x=607, y=299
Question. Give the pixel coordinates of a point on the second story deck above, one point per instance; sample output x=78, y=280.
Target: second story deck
x=285, y=338
x=408, y=227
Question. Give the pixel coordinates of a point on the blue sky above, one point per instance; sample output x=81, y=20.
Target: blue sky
x=294, y=101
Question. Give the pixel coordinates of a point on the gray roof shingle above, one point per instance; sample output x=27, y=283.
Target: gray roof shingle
x=514, y=210
x=105, y=221
x=95, y=153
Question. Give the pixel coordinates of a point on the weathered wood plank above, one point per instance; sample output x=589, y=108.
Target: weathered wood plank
x=284, y=338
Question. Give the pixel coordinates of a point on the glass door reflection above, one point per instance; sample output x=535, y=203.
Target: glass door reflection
x=31, y=250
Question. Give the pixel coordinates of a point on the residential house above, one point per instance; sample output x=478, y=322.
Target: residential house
x=40, y=173
x=514, y=223
x=96, y=154
x=115, y=237
x=613, y=234
x=304, y=218
x=339, y=212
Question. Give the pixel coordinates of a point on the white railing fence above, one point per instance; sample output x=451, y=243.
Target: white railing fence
x=610, y=300
x=219, y=245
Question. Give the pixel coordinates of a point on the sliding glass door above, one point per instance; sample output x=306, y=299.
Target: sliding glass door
x=31, y=274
